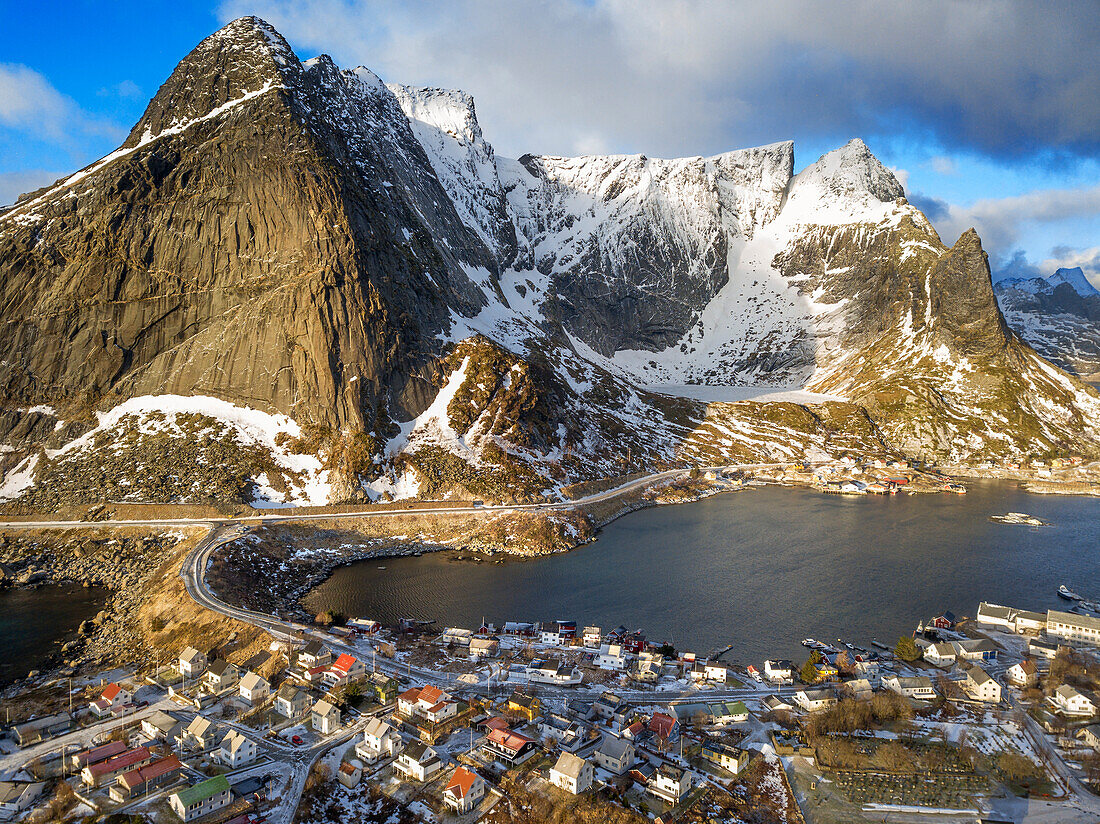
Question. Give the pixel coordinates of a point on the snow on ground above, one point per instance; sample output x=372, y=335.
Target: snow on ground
x=733, y=394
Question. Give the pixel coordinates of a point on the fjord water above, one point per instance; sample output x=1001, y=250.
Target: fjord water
x=33, y=620
x=760, y=569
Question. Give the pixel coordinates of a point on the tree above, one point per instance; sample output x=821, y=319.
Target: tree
x=1018, y=768
x=667, y=650
x=907, y=649
x=808, y=674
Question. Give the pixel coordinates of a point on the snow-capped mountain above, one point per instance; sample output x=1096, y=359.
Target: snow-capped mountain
x=351, y=263
x=1058, y=315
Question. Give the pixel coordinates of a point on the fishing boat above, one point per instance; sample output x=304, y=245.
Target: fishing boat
x=1068, y=594
x=810, y=642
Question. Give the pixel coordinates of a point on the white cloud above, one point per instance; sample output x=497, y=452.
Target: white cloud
x=13, y=184
x=942, y=165
x=31, y=105
x=682, y=77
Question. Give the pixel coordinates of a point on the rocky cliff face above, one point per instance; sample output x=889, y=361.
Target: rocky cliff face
x=306, y=244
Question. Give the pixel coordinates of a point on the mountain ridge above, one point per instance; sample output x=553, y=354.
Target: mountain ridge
x=311, y=242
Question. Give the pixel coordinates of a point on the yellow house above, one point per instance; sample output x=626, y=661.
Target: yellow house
x=520, y=703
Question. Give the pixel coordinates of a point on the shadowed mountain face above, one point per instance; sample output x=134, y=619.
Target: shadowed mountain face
x=299, y=239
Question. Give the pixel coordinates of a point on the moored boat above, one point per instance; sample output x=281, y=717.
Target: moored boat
x=1068, y=594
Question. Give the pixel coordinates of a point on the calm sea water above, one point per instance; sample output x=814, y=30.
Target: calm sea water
x=33, y=620
x=761, y=570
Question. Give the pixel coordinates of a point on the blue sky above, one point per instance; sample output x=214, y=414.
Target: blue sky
x=989, y=112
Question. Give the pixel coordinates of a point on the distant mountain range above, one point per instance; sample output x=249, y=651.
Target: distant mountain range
x=294, y=283
x=1058, y=315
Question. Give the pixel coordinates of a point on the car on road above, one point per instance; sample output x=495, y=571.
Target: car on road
x=295, y=739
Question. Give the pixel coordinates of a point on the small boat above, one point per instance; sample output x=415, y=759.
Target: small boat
x=1068, y=594
x=381, y=567
x=810, y=642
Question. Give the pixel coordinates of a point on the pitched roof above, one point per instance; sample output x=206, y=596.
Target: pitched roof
x=662, y=725
x=509, y=740
x=323, y=707
x=200, y=726
x=314, y=648
x=120, y=762
x=220, y=667
x=200, y=792
x=101, y=753
x=235, y=740
x=111, y=692
x=462, y=781
x=251, y=681
x=430, y=694
x=569, y=764
x=289, y=692
x=344, y=663
x=614, y=747
x=190, y=654
x=377, y=727
x=153, y=771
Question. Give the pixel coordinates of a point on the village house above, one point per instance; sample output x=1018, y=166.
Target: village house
x=254, y=689
x=291, y=702
x=615, y=755
x=350, y=774
x=236, y=750
x=1030, y=623
x=779, y=671
x=980, y=686
x=464, y=790
x=113, y=695
x=221, y=675
x=200, y=734
x=105, y=772
x=773, y=703
x=379, y=739
x=649, y=667
x=508, y=746
x=611, y=657
x=730, y=759
x=1090, y=735
x=1073, y=627
x=571, y=773
x=1073, y=702
x=39, y=729
x=384, y=687
x=591, y=637
x=610, y=707
x=940, y=655
x=16, y=797
x=919, y=687
x=417, y=762
x=523, y=704
x=481, y=648
x=975, y=649
x=324, y=717
x=347, y=669
x=145, y=780
x=814, y=700
x=945, y=620
x=1042, y=649
x=1023, y=674
x=430, y=703
x=98, y=754
x=364, y=626
x=159, y=725
x=857, y=688
x=567, y=733
x=557, y=633
x=669, y=783
x=455, y=637
x=315, y=654
x=192, y=663
x=665, y=728
x=996, y=615
x=202, y=799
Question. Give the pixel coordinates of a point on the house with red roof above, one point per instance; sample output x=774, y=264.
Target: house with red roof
x=95, y=775
x=146, y=779
x=464, y=790
x=97, y=754
x=344, y=670
x=430, y=703
x=508, y=746
x=664, y=727
x=113, y=695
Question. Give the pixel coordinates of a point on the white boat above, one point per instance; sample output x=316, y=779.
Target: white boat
x=556, y=673
x=1068, y=594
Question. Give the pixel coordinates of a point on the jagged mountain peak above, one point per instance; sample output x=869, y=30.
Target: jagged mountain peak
x=850, y=173
x=1075, y=278
x=245, y=57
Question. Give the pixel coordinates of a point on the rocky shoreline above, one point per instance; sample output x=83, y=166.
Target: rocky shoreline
x=121, y=565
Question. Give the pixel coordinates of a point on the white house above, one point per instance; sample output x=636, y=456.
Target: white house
x=571, y=773
x=1073, y=627
x=113, y=695
x=254, y=688
x=611, y=657
x=980, y=686
x=291, y=702
x=202, y=799
x=17, y=797
x=428, y=702
x=940, y=655
x=346, y=669
x=379, y=739
x=221, y=675
x=324, y=717
x=779, y=672
x=996, y=615
x=484, y=648
x=1023, y=674
x=714, y=672
x=192, y=663
x=1072, y=702
x=236, y=750
x=776, y=704
x=315, y=654
x=813, y=700
x=591, y=637
x=616, y=755
x=919, y=687
x=1042, y=649
x=464, y=790
x=669, y=783
x=418, y=762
